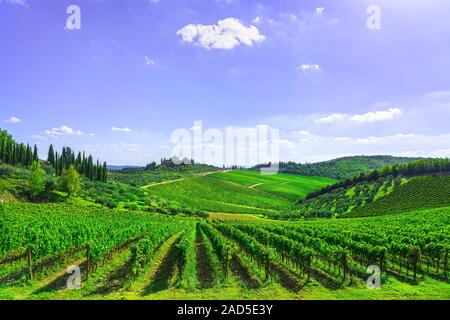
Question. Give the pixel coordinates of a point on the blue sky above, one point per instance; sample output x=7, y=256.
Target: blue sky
x=139, y=69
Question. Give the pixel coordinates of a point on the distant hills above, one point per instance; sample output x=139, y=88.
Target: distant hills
x=342, y=168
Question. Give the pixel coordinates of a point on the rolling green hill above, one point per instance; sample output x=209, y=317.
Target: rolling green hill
x=343, y=168
x=386, y=195
x=242, y=191
x=425, y=192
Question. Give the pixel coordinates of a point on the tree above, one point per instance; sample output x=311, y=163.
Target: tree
x=37, y=179
x=35, y=154
x=51, y=155
x=70, y=181
x=105, y=172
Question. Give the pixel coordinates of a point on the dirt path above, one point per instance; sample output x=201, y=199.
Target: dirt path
x=204, y=268
x=162, y=269
x=242, y=273
x=58, y=281
x=161, y=183
x=202, y=174
x=256, y=185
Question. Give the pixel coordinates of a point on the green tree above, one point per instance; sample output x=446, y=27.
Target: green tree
x=70, y=181
x=37, y=179
x=35, y=154
x=51, y=155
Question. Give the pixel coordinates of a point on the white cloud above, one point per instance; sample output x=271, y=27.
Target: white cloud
x=126, y=129
x=63, y=131
x=38, y=137
x=310, y=67
x=13, y=120
x=19, y=2
x=332, y=118
x=389, y=114
x=383, y=115
x=257, y=20
x=226, y=34
x=320, y=11
x=148, y=61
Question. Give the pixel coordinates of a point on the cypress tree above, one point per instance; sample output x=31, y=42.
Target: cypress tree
x=2, y=150
x=105, y=173
x=35, y=154
x=78, y=163
x=28, y=156
x=90, y=168
x=98, y=176
x=51, y=155
x=56, y=164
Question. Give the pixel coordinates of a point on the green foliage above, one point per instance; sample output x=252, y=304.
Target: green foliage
x=343, y=200
x=144, y=249
x=14, y=153
x=37, y=179
x=70, y=181
x=183, y=251
x=51, y=229
x=419, y=167
x=342, y=168
x=409, y=243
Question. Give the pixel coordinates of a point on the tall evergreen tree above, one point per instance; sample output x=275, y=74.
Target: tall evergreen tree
x=35, y=153
x=51, y=155
x=105, y=172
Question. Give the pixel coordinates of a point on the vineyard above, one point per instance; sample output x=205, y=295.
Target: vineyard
x=424, y=192
x=140, y=255
x=241, y=191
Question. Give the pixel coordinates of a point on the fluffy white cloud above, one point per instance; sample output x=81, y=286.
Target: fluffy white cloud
x=126, y=129
x=320, y=11
x=383, y=115
x=226, y=34
x=13, y=120
x=310, y=67
x=148, y=61
x=63, y=131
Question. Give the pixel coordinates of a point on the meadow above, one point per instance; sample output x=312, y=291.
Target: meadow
x=241, y=191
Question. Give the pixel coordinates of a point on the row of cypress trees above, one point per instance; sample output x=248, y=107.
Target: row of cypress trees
x=83, y=164
x=15, y=154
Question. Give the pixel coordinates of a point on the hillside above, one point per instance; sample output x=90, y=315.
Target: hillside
x=243, y=191
x=343, y=168
x=153, y=173
x=418, y=193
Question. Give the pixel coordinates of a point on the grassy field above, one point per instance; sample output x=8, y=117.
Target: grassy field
x=241, y=191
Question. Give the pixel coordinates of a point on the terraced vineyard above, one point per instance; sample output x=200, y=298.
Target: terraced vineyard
x=149, y=256
x=242, y=191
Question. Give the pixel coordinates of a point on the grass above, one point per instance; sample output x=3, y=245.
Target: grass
x=241, y=191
